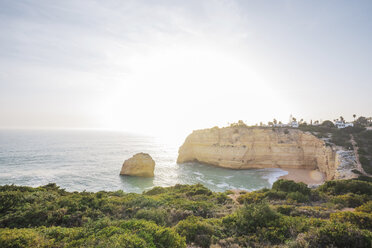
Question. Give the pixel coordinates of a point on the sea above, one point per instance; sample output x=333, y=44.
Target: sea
x=91, y=160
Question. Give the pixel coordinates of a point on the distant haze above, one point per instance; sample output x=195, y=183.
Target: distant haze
x=168, y=67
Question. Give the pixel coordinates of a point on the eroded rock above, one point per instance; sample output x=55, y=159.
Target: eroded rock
x=141, y=165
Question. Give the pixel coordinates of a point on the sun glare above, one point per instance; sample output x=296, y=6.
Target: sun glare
x=178, y=89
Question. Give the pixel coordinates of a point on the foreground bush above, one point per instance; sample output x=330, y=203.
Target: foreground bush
x=341, y=187
x=27, y=238
x=360, y=219
x=366, y=207
x=349, y=200
x=134, y=233
x=251, y=197
x=288, y=215
x=335, y=234
x=199, y=231
x=291, y=187
x=250, y=217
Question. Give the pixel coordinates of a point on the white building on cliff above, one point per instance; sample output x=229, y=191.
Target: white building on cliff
x=342, y=124
x=294, y=124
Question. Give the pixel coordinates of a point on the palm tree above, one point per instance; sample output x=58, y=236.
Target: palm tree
x=354, y=115
x=342, y=119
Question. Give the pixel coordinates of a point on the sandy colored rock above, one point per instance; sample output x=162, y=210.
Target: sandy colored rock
x=141, y=165
x=253, y=147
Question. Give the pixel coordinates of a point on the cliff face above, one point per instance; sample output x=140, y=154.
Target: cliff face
x=243, y=147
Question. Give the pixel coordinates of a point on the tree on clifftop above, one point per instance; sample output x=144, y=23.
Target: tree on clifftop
x=362, y=121
x=328, y=123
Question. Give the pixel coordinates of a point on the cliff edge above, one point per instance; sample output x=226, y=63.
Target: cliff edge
x=253, y=147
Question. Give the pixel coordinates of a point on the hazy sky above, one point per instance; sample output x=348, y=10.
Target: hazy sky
x=173, y=66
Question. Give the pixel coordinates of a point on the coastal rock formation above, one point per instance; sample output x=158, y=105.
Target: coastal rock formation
x=141, y=165
x=253, y=147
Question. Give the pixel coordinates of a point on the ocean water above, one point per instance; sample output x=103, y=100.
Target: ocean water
x=91, y=161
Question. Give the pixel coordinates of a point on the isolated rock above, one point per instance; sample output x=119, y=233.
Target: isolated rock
x=141, y=165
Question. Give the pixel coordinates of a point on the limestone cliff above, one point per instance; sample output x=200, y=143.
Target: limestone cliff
x=248, y=147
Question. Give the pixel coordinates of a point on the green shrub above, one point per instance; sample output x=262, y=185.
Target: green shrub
x=276, y=195
x=291, y=186
x=199, y=231
x=19, y=238
x=341, y=187
x=335, y=234
x=61, y=235
x=222, y=198
x=364, y=178
x=356, y=172
x=284, y=229
x=159, y=216
x=10, y=200
x=250, y=217
x=366, y=207
x=56, y=218
x=297, y=197
x=361, y=152
x=360, y=219
x=366, y=164
x=199, y=189
x=341, y=138
x=309, y=211
x=285, y=209
x=260, y=222
x=160, y=236
x=156, y=191
x=349, y=200
x=251, y=197
x=328, y=124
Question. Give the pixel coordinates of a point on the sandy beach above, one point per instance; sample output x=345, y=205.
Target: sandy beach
x=304, y=175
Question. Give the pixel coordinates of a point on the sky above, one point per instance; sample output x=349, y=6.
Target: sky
x=169, y=67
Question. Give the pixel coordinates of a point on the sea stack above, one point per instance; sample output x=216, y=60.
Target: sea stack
x=140, y=165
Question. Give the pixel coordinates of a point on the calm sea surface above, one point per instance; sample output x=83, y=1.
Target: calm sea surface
x=91, y=160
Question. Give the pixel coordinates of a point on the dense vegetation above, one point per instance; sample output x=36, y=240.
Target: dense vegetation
x=337, y=214
x=342, y=137
x=364, y=141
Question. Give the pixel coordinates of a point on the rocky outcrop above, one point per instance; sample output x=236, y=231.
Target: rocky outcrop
x=253, y=147
x=141, y=165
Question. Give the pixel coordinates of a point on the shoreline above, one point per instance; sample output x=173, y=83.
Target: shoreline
x=307, y=176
